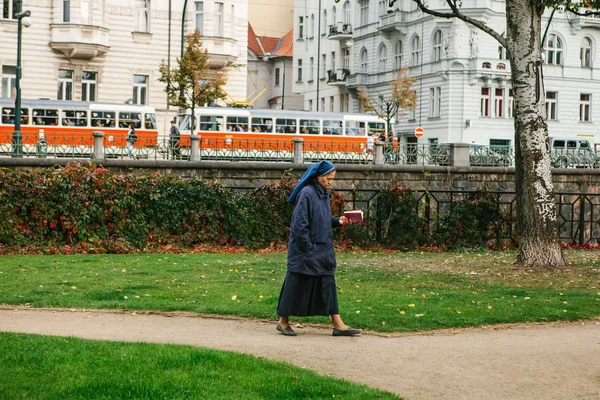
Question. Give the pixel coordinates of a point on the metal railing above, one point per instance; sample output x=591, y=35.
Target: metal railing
x=285, y=149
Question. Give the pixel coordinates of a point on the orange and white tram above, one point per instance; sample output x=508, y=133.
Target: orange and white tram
x=235, y=128
x=68, y=123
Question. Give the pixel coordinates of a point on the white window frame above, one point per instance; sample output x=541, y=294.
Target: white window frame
x=553, y=50
x=312, y=26
x=510, y=104
x=65, y=84
x=551, y=106
x=398, y=49
x=382, y=58
x=436, y=49
x=499, y=102
x=364, y=12
x=9, y=80
x=301, y=27
x=199, y=13
x=10, y=9
x=218, y=30
x=415, y=49
x=364, y=60
x=484, y=108
x=435, y=103
x=585, y=107
x=323, y=66
x=299, y=73
x=311, y=72
x=140, y=89
x=347, y=12
x=89, y=87
x=142, y=15
x=585, y=52
x=331, y=104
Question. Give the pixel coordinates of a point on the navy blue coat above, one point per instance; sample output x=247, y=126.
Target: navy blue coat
x=310, y=250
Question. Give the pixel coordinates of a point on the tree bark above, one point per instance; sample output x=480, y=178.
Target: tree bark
x=536, y=207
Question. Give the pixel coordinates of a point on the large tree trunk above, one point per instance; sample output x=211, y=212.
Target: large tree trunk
x=536, y=208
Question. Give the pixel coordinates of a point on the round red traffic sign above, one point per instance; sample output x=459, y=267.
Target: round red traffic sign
x=419, y=132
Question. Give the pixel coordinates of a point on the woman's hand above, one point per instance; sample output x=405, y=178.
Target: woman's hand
x=344, y=220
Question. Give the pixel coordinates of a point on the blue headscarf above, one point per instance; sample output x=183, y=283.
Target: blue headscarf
x=319, y=169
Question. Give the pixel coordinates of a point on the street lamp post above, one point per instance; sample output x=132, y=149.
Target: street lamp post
x=23, y=19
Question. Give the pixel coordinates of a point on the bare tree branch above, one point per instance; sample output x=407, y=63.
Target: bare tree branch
x=457, y=14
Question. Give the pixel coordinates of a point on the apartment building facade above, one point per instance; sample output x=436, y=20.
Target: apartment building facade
x=463, y=77
x=110, y=50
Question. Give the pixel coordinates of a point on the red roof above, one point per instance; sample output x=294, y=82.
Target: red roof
x=276, y=47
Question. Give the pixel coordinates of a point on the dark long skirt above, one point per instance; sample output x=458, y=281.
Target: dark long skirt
x=307, y=295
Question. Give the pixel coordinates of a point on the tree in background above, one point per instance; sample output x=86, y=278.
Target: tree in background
x=193, y=82
x=401, y=97
x=539, y=243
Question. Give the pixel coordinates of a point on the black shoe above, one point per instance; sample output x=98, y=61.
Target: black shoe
x=347, y=332
x=287, y=331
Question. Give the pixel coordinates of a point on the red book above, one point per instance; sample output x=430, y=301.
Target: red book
x=354, y=215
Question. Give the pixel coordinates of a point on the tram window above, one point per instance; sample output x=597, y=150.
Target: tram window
x=376, y=128
x=262, y=125
x=355, y=128
x=126, y=118
x=331, y=127
x=150, y=121
x=286, y=125
x=45, y=117
x=74, y=118
x=211, y=123
x=237, y=124
x=309, y=126
x=103, y=119
x=8, y=115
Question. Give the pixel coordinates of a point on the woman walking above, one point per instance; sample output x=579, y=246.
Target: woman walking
x=309, y=287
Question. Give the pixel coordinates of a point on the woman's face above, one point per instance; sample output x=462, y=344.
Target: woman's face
x=326, y=180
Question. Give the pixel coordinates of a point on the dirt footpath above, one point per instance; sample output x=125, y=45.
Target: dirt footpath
x=537, y=361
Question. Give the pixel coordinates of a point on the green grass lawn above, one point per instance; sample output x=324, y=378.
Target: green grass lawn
x=387, y=292
x=41, y=367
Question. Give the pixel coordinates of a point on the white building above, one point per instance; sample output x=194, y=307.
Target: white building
x=110, y=50
x=463, y=76
x=323, y=53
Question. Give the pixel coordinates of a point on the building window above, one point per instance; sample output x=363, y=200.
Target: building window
x=8, y=9
x=333, y=61
x=142, y=9
x=86, y=12
x=347, y=16
x=551, y=106
x=310, y=105
x=218, y=20
x=398, y=55
x=324, y=22
x=331, y=104
x=65, y=84
x=585, y=53
x=9, y=80
x=382, y=58
x=364, y=60
x=140, y=89
x=346, y=62
x=333, y=16
x=323, y=72
x=553, y=50
x=485, y=102
x=413, y=112
x=311, y=72
x=382, y=7
x=499, y=103
x=88, y=85
x=322, y=104
x=436, y=54
x=200, y=16
x=415, y=49
x=585, y=105
x=299, y=70
x=510, y=104
x=66, y=14
x=300, y=27
x=276, y=76
x=312, y=26
x=364, y=12
x=435, y=101
x=502, y=50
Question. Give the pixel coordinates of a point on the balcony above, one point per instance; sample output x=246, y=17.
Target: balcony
x=340, y=31
x=393, y=22
x=222, y=51
x=356, y=80
x=337, y=77
x=79, y=41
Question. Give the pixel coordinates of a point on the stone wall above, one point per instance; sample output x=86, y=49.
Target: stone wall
x=369, y=177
